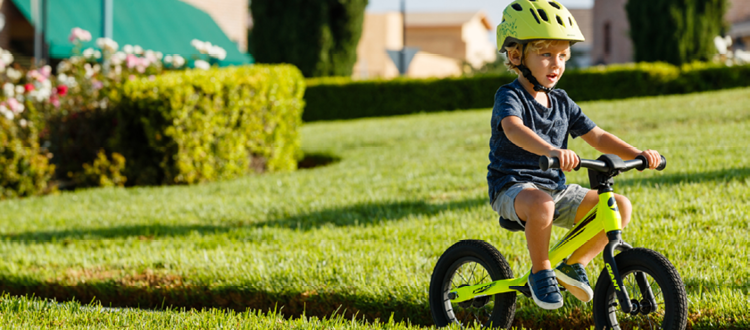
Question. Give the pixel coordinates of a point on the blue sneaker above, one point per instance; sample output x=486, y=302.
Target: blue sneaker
x=573, y=278
x=544, y=289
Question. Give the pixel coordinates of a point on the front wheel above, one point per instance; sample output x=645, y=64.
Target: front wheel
x=466, y=263
x=668, y=309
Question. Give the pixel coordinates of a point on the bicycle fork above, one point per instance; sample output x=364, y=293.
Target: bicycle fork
x=648, y=304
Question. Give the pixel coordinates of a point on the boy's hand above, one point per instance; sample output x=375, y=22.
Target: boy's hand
x=653, y=158
x=568, y=158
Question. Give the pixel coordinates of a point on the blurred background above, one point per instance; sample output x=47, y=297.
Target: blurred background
x=365, y=39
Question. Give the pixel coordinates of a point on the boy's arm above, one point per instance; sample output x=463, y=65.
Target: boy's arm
x=525, y=138
x=608, y=143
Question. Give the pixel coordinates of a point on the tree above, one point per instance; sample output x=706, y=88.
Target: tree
x=319, y=37
x=675, y=31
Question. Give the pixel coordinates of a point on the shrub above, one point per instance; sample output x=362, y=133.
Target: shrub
x=195, y=126
x=675, y=31
x=24, y=169
x=343, y=98
x=103, y=172
x=320, y=40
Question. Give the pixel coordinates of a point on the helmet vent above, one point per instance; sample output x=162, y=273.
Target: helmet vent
x=554, y=4
x=559, y=20
x=517, y=7
x=543, y=15
x=533, y=13
x=570, y=19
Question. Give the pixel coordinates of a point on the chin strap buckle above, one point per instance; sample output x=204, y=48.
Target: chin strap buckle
x=530, y=77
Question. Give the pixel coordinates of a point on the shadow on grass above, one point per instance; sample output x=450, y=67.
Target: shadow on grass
x=725, y=175
x=175, y=293
x=179, y=294
x=367, y=214
x=361, y=214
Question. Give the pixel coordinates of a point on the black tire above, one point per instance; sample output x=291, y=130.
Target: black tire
x=471, y=262
x=666, y=285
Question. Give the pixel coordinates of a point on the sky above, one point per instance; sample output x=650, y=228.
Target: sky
x=493, y=8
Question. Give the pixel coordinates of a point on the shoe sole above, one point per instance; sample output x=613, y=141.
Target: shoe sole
x=545, y=305
x=580, y=291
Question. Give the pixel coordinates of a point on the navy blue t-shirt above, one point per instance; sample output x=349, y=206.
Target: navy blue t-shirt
x=510, y=163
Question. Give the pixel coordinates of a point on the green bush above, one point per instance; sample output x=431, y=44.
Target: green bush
x=24, y=169
x=343, y=98
x=103, y=172
x=320, y=40
x=195, y=126
x=675, y=31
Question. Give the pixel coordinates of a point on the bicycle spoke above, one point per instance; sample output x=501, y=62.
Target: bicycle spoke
x=473, y=270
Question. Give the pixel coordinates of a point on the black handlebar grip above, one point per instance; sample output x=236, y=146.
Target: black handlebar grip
x=645, y=165
x=546, y=163
x=663, y=164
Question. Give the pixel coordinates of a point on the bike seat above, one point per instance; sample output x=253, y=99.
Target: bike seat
x=511, y=225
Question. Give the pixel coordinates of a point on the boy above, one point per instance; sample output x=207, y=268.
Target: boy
x=530, y=119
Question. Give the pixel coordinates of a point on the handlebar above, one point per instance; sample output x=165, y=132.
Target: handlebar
x=605, y=164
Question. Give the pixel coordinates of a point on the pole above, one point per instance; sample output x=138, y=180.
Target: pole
x=35, y=17
x=106, y=30
x=45, y=18
x=402, y=56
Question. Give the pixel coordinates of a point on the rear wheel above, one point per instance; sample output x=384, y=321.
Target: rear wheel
x=466, y=263
x=668, y=309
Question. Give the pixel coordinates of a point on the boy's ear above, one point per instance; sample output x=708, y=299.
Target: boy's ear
x=514, y=56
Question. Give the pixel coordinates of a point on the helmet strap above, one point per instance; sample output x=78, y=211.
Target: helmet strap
x=530, y=77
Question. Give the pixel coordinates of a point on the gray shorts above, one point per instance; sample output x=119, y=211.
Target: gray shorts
x=566, y=202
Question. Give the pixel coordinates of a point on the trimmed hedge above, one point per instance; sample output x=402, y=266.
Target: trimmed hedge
x=24, y=167
x=342, y=98
x=196, y=126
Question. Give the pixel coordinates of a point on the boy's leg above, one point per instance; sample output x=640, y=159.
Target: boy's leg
x=596, y=245
x=537, y=209
x=572, y=274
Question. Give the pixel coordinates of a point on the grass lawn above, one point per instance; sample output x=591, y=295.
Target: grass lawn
x=362, y=235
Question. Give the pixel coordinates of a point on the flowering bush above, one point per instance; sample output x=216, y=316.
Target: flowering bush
x=64, y=117
x=183, y=127
x=24, y=165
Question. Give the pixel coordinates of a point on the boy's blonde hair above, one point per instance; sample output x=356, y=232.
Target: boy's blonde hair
x=531, y=46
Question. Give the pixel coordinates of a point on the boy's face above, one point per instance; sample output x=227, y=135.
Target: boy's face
x=548, y=64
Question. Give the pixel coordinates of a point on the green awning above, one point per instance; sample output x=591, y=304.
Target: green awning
x=167, y=26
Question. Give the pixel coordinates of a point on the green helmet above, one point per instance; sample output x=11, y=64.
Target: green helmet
x=526, y=20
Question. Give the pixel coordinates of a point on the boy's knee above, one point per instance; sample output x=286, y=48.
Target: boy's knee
x=625, y=207
x=535, y=204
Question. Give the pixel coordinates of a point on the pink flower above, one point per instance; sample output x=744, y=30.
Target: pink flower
x=15, y=106
x=97, y=84
x=62, y=90
x=36, y=74
x=55, y=101
x=28, y=87
x=78, y=34
x=131, y=77
x=46, y=71
x=131, y=61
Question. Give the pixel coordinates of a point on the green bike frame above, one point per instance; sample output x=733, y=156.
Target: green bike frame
x=604, y=217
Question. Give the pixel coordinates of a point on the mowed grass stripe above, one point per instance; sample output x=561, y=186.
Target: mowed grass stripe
x=364, y=233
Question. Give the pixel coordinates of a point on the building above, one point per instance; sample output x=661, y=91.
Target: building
x=612, y=42
x=230, y=15
x=582, y=50
x=446, y=42
x=167, y=26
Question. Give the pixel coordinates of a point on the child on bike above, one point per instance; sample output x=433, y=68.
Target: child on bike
x=530, y=119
